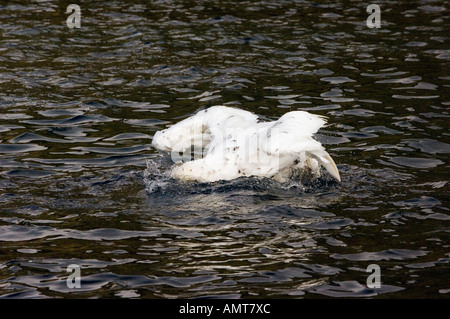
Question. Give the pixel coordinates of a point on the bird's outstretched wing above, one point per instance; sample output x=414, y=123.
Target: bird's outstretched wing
x=292, y=134
x=200, y=129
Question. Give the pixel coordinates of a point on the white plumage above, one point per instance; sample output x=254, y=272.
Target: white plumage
x=231, y=143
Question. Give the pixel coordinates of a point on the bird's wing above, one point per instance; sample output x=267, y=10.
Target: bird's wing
x=220, y=118
x=203, y=127
x=293, y=134
x=181, y=135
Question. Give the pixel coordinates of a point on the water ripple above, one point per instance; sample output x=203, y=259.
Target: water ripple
x=80, y=183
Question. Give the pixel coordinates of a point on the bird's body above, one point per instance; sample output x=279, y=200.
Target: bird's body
x=234, y=143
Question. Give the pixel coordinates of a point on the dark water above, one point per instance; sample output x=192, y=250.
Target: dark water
x=79, y=107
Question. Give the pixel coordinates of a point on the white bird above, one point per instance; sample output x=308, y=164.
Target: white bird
x=234, y=143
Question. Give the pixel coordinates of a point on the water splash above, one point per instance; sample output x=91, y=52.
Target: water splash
x=158, y=180
x=156, y=177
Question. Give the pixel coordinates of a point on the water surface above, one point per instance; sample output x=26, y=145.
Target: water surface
x=81, y=184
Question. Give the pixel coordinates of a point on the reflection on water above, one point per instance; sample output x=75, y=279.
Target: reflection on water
x=81, y=184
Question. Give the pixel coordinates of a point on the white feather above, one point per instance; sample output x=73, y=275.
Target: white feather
x=234, y=144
